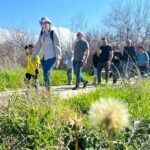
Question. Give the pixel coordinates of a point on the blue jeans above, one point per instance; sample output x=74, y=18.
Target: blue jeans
x=69, y=75
x=47, y=66
x=77, y=65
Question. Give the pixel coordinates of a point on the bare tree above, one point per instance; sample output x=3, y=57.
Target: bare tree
x=129, y=19
x=11, y=49
x=78, y=22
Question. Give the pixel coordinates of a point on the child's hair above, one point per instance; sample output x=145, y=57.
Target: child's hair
x=31, y=46
x=26, y=47
x=141, y=47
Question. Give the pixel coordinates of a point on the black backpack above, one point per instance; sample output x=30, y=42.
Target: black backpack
x=51, y=34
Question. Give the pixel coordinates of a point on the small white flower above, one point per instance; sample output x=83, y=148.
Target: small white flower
x=113, y=114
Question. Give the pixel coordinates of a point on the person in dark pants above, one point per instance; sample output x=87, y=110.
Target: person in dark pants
x=81, y=54
x=115, y=66
x=32, y=68
x=129, y=60
x=95, y=63
x=105, y=54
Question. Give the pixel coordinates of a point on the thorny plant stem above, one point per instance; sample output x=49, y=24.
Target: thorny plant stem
x=77, y=141
x=110, y=142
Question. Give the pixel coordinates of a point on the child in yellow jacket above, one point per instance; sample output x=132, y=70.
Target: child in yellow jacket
x=32, y=67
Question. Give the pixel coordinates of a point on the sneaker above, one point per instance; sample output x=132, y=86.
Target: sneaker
x=94, y=83
x=76, y=87
x=114, y=81
x=85, y=84
x=49, y=89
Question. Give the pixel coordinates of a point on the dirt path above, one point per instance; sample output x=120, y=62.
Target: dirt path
x=66, y=91
x=63, y=91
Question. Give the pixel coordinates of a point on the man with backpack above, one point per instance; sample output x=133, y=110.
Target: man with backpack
x=48, y=47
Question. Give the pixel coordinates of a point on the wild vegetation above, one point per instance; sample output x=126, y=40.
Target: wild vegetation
x=45, y=121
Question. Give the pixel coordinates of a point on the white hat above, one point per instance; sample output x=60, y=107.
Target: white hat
x=45, y=19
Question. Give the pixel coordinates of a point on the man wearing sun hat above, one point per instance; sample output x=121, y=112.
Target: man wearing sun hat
x=81, y=54
x=48, y=47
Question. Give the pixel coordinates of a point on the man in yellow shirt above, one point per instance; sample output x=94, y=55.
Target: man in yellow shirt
x=32, y=67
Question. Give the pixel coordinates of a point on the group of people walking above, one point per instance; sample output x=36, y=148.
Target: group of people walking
x=47, y=51
x=125, y=64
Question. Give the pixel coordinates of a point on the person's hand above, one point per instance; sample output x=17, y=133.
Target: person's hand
x=36, y=71
x=57, y=63
x=147, y=65
x=84, y=62
x=109, y=62
x=98, y=52
x=32, y=59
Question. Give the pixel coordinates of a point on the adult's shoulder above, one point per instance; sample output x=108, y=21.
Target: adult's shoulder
x=101, y=47
x=54, y=33
x=109, y=47
x=85, y=41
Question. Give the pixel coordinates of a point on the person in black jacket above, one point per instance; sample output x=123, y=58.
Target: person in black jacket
x=129, y=59
x=95, y=63
x=115, y=66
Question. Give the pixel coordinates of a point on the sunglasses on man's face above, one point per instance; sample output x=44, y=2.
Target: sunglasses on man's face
x=45, y=23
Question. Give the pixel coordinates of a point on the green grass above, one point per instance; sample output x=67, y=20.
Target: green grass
x=137, y=97
x=14, y=79
x=42, y=122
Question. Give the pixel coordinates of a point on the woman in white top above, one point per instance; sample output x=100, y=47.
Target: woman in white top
x=48, y=47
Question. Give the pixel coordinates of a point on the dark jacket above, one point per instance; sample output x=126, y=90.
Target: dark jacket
x=129, y=54
x=117, y=58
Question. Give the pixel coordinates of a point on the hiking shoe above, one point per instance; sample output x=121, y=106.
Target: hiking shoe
x=49, y=89
x=70, y=83
x=114, y=81
x=75, y=88
x=85, y=84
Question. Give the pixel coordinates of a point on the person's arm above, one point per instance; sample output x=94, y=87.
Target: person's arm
x=99, y=51
x=124, y=54
x=147, y=59
x=37, y=64
x=87, y=53
x=134, y=55
x=37, y=48
x=86, y=56
x=93, y=59
x=111, y=54
x=57, y=49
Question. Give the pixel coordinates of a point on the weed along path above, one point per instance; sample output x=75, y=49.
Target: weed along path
x=62, y=91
